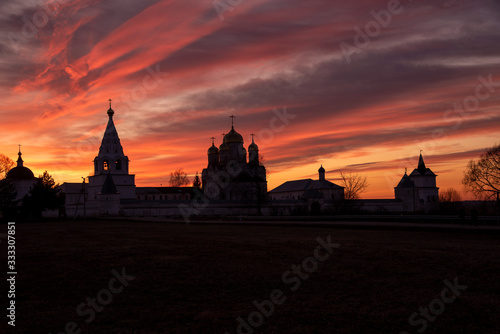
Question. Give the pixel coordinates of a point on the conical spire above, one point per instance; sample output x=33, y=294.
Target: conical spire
x=110, y=141
x=421, y=165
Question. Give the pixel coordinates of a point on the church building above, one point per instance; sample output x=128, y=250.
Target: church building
x=418, y=191
x=110, y=183
x=229, y=176
x=21, y=177
x=309, y=189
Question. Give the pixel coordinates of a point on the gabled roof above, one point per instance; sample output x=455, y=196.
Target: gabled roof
x=303, y=185
x=163, y=190
x=405, y=182
x=109, y=186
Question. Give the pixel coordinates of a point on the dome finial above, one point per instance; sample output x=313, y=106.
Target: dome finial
x=19, y=160
x=213, y=138
x=252, y=134
x=232, y=121
x=110, y=111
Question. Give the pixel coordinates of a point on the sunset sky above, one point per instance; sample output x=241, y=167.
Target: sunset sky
x=353, y=93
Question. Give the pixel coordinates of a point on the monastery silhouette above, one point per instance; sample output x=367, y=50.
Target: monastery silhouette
x=232, y=184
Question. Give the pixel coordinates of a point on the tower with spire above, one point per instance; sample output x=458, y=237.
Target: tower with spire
x=229, y=176
x=111, y=167
x=418, y=191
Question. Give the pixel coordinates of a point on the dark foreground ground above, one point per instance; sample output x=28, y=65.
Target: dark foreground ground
x=200, y=279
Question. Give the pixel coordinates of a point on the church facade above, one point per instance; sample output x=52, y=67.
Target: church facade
x=229, y=176
x=231, y=182
x=418, y=191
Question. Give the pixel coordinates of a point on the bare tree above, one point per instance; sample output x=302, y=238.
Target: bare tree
x=354, y=184
x=449, y=195
x=178, y=178
x=482, y=178
x=6, y=164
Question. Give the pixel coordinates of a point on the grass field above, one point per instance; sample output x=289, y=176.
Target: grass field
x=201, y=278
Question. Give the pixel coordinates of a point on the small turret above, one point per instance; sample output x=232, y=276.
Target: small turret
x=253, y=152
x=321, y=172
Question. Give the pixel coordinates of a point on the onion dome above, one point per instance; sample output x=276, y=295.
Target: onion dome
x=253, y=146
x=224, y=146
x=110, y=111
x=233, y=137
x=321, y=169
x=20, y=172
x=213, y=149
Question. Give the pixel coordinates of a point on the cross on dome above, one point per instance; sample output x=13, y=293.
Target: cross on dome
x=232, y=120
x=110, y=111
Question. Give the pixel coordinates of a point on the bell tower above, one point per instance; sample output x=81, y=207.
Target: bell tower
x=111, y=161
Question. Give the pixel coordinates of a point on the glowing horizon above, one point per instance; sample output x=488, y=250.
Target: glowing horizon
x=427, y=79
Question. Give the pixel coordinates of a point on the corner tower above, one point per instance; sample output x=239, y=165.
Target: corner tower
x=111, y=161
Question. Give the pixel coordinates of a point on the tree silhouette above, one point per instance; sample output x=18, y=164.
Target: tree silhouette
x=197, y=182
x=6, y=164
x=482, y=178
x=354, y=184
x=178, y=178
x=45, y=194
x=449, y=195
x=8, y=194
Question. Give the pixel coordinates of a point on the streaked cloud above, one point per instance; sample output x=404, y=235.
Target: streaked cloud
x=372, y=115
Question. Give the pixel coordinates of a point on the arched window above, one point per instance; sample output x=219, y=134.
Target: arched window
x=106, y=165
x=118, y=164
